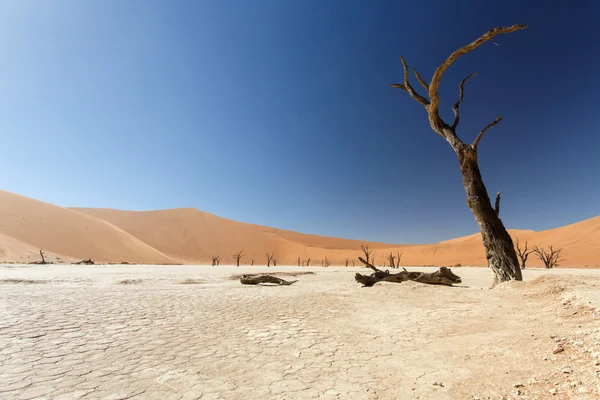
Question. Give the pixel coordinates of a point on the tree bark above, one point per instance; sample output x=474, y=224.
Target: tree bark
x=499, y=248
x=256, y=279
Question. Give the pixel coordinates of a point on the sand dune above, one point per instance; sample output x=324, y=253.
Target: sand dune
x=28, y=225
x=187, y=235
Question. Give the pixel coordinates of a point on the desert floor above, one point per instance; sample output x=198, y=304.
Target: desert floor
x=188, y=332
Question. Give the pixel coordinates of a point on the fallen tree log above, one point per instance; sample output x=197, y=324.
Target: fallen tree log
x=256, y=279
x=86, y=262
x=442, y=276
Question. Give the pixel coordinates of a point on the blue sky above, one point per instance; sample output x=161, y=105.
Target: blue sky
x=280, y=112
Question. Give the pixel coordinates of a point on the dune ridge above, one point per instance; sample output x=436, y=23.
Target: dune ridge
x=190, y=236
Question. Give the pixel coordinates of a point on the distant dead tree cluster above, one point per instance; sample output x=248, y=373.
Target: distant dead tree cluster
x=550, y=257
x=394, y=260
x=216, y=260
x=325, y=262
x=270, y=258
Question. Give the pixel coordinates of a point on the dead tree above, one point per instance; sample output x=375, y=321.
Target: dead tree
x=238, y=256
x=367, y=252
x=442, y=276
x=347, y=261
x=353, y=263
x=499, y=250
x=398, y=258
x=308, y=262
x=252, y=262
x=325, y=263
x=216, y=260
x=42, y=255
x=274, y=262
x=394, y=260
x=550, y=258
x=256, y=279
x=298, y=260
x=269, y=258
x=523, y=253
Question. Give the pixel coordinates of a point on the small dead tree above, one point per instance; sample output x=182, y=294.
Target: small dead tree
x=42, y=255
x=499, y=249
x=550, y=258
x=353, y=262
x=298, y=260
x=269, y=258
x=347, y=261
x=274, y=262
x=252, y=262
x=325, y=263
x=398, y=258
x=238, y=256
x=216, y=260
x=366, y=252
x=308, y=262
x=522, y=252
x=391, y=258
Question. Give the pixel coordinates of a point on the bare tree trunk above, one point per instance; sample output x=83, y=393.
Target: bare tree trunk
x=499, y=248
x=500, y=253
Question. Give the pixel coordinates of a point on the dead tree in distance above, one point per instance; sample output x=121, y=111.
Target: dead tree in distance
x=308, y=262
x=347, y=261
x=550, y=258
x=269, y=258
x=499, y=250
x=366, y=252
x=353, y=263
x=42, y=255
x=298, y=260
x=274, y=262
x=394, y=260
x=252, y=262
x=215, y=260
x=522, y=252
x=325, y=263
x=238, y=256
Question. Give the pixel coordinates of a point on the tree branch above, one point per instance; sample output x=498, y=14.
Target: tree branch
x=421, y=81
x=456, y=106
x=437, y=75
x=497, y=208
x=406, y=86
x=478, y=138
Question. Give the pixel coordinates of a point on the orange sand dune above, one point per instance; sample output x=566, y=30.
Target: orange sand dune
x=190, y=236
x=26, y=224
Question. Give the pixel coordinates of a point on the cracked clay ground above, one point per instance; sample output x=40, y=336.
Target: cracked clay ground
x=120, y=332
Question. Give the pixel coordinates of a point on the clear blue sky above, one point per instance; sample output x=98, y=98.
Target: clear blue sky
x=280, y=112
